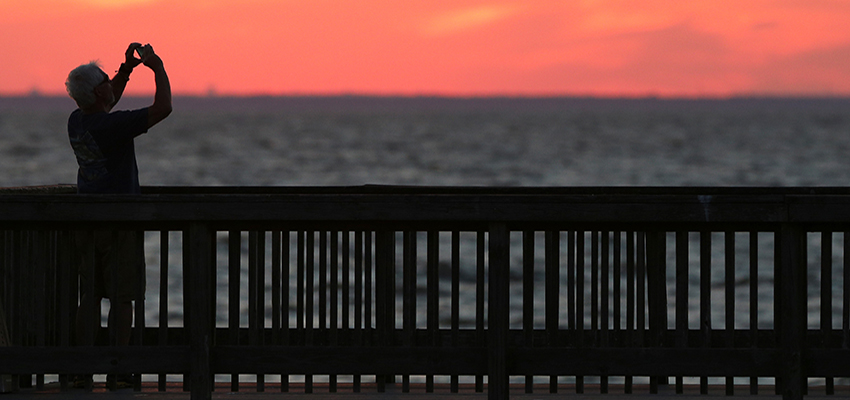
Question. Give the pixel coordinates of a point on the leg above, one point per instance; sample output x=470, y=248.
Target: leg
x=88, y=321
x=87, y=325
x=121, y=321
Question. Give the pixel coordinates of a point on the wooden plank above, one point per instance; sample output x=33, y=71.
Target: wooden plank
x=67, y=300
x=480, y=298
x=580, y=297
x=309, y=298
x=432, y=289
x=335, y=360
x=234, y=240
x=323, y=281
x=552, y=294
x=164, y=289
x=528, y=297
x=358, y=298
x=276, y=287
x=594, y=287
x=346, y=281
x=419, y=207
x=499, y=311
x=646, y=361
x=705, y=296
x=631, y=282
x=754, y=300
x=826, y=362
x=333, y=325
x=409, y=294
x=826, y=309
x=455, y=302
x=95, y=359
x=729, y=291
x=286, y=285
x=259, y=286
x=845, y=325
x=384, y=292
x=201, y=267
x=656, y=269
x=792, y=304
x=682, y=286
x=604, y=322
x=617, y=275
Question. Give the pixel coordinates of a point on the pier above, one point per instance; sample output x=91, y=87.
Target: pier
x=496, y=291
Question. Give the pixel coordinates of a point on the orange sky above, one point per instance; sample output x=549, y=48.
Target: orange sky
x=443, y=47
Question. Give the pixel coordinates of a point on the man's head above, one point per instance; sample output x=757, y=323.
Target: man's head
x=88, y=84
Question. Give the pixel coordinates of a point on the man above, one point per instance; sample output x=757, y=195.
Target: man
x=103, y=144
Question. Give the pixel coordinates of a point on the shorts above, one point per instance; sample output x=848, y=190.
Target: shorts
x=119, y=257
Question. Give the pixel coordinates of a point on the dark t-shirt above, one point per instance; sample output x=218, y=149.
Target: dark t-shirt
x=103, y=144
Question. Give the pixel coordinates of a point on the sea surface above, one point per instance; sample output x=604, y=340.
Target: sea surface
x=352, y=140
x=329, y=141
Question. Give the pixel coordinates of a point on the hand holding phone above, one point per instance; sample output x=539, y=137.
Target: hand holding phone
x=142, y=51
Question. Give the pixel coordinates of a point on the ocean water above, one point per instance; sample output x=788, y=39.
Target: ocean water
x=342, y=141
x=433, y=141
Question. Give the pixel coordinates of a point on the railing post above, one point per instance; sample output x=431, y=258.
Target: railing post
x=199, y=248
x=384, y=292
x=499, y=311
x=792, y=303
x=656, y=271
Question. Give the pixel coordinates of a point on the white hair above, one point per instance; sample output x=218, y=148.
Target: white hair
x=82, y=81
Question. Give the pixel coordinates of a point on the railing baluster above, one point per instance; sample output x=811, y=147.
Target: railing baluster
x=682, y=286
x=309, y=297
x=323, y=286
x=705, y=297
x=656, y=275
x=480, y=298
x=754, y=301
x=729, y=276
x=359, y=304
x=594, y=287
x=528, y=298
x=631, y=283
x=455, y=302
x=199, y=247
x=334, y=300
x=580, y=309
x=617, y=286
x=285, y=322
x=234, y=268
x=826, y=300
x=164, y=241
x=791, y=284
x=409, y=296
x=603, y=340
x=499, y=311
x=553, y=284
x=384, y=294
x=845, y=315
x=67, y=296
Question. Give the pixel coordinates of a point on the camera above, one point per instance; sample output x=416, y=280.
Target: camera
x=141, y=51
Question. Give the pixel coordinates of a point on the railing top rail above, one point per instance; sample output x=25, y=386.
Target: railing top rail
x=455, y=190
x=374, y=203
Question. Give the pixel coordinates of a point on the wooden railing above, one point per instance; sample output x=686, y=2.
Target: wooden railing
x=608, y=288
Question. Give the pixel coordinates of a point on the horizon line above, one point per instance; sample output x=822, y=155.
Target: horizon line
x=518, y=96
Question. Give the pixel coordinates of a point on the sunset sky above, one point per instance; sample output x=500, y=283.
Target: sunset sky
x=439, y=47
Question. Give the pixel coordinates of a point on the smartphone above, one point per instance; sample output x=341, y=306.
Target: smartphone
x=141, y=51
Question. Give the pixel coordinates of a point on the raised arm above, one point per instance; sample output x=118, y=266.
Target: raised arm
x=161, y=106
x=119, y=82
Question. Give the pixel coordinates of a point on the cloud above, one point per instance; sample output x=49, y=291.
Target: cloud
x=816, y=72
x=675, y=60
x=468, y=18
